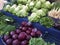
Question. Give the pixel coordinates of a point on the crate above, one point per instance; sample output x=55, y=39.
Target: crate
x=49, y=34
x=46, y=37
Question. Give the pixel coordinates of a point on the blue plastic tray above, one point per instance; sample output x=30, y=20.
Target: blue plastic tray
x=51, y=31
x=19, y=20
x=52, y=35
x=47, y=38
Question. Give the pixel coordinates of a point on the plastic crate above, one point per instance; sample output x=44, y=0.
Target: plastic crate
x=1, y=43
x=52, y=31
x=47, y=38
x=19, y=20
x=50, y=34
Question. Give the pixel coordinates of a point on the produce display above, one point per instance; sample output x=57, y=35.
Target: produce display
x=37, y=12
x=39, y=41
x=5, y=25
x=19, y=10
x=22, y=34
x=55, y=14
x=33, y=9
x=48, y=24
x=24, y=7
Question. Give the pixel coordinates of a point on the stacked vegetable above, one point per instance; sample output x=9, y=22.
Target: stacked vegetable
x=24, y=7
x=19, y=10
x=37, y=11
x=5, y=25
x=34, y=9
x=22, y=34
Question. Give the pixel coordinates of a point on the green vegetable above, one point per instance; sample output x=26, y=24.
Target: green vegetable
x=45, y=10
x=7, y=7
x=12, y=8
x=38, y=4
x=28, y=1
x=43, y=1
x=34, y=10
x=41, y=13
x=24, y=7
x=47, y=5
x=6, y=18
x=39, y=41
x=20, y=6
x=47, y=22
x=8, y=28
x=4, y=27
x=31, y=5
x=22, y=1
x=33, y=17
x=16, y=9
x=56, y=5
x=22, y=13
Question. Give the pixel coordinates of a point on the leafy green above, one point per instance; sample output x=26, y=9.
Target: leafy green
x=39, y=41
x=8, y=28
x=24, y=7
x=31, y=5
x=40, y=13
x=34, y=10
x=12, y=8
x=22, y=1
x=22, y=13
x=38, y=4
x=4, y=18
x=7, y=7
x=33, y=17
x=47, y=5
x=47, y=22
x=56, y=5
x=4, y=27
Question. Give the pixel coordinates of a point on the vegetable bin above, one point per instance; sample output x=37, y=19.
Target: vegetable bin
x=51, y=31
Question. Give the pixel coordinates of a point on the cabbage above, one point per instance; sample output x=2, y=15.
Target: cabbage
x=28, y=1
x=38, y=4
x=16, y=10
x=40, y=13
x=22, y=1
x=26, y=8
x=7, y=8
x=43, y=1
x=46, y=5
x=33, y=17
x=20, y=6
x=12, y=8
x=22, y=13
x=34, y=9
x=31, y=5
x=45, y=10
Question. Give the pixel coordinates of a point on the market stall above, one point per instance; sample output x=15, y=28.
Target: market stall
x=30, y=22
